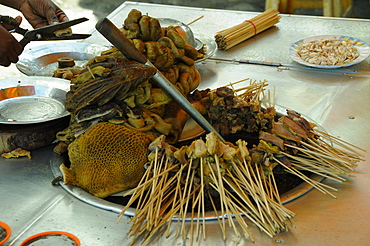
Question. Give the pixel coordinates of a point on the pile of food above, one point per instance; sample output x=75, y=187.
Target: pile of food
x=124, y=133
x=111, y=88
x=328, y=52
x=234, y=179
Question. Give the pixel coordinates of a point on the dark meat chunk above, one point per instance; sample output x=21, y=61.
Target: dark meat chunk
x=281, y=131
x=273, y=139
x=294, y=127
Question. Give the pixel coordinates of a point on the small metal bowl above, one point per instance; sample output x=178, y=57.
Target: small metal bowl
x=33, y=99
x=184, y=30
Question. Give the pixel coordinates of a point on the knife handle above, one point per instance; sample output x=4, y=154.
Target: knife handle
x=119, y=40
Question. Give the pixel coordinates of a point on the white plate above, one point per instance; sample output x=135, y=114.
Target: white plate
x=362, y=47
x=43, y=60
x=34, y=99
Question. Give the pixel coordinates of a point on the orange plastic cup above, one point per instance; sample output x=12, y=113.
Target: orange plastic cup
x=8, y=231
x=47, y=236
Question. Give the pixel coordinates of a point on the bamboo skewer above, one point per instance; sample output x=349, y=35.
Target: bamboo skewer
x=323, y=147
x=191, y=22
x=233, y=36
x=177, y=193
x=215, y=184
x=341, y=142
x=202, y=191
x=330, y=156
x=314, y=183
x=321, y=155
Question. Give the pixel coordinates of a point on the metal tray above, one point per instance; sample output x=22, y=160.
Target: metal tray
x=43, y=60
x=34, y=99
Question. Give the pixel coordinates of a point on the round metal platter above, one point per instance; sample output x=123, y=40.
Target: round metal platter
x=362, y=47
x=34, y=99
x=209, y=45
x=43, y=60
x=56, y=160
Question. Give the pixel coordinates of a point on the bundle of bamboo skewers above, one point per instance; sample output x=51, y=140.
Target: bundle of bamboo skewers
x=232, y=36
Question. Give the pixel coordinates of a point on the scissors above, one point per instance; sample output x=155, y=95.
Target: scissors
x=45, y=33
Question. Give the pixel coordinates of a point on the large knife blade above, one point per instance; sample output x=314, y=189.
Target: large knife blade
x=120, y=41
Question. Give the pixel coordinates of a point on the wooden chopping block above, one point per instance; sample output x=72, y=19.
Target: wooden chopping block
x=30, y=136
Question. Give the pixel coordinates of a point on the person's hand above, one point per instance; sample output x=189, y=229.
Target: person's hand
x=40, y=13
x=10, y=48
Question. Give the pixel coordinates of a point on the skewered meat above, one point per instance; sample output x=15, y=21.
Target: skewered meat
x=229, y=115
